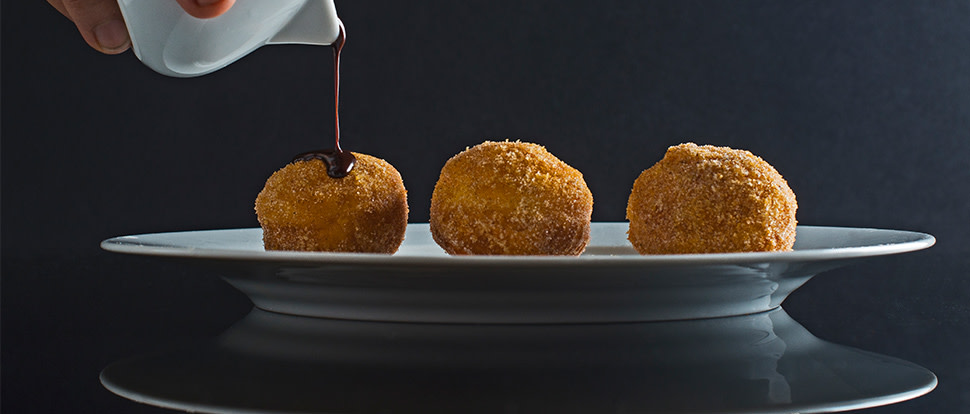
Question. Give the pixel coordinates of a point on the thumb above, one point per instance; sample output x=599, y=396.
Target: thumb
x=205, y=9
x=99, y=22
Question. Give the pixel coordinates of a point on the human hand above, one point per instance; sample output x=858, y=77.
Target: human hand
x=103, y=28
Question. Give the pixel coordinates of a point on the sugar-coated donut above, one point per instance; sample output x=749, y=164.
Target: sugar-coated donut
x=706, y=199
x=303, y=208
x=510, y=198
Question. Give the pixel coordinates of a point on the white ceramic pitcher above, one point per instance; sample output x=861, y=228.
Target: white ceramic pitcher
x=170, y=41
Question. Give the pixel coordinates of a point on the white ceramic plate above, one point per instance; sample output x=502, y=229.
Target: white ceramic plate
x=608, y=283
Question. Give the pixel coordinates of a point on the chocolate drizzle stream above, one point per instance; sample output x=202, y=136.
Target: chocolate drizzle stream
x=339, y=162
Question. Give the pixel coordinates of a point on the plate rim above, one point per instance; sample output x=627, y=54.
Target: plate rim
x=126, y=245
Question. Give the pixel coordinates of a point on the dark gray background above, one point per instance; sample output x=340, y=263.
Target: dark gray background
x=863, y=106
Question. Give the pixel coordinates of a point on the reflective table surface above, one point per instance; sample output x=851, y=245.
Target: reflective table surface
x=271, y=362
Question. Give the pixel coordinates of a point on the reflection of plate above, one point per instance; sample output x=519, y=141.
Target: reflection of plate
x=609, y=283
x=763, y=363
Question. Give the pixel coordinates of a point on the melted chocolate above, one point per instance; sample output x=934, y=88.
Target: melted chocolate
x=339, y=162
x=338, y=45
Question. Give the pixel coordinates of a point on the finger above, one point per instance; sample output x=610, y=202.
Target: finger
x=59, y=5
x=100, y=24
x=205, y=9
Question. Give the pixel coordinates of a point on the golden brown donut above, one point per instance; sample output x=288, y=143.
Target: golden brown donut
x=510, y=198
x=303, y=208
x=706, y=199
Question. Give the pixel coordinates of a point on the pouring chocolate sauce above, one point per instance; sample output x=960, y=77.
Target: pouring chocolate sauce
x=339, y=162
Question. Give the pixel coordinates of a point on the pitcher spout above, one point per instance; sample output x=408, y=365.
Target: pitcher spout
x=315, y=24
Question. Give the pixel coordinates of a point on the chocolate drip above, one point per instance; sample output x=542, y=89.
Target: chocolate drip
x=338, y=45
x=339, y=162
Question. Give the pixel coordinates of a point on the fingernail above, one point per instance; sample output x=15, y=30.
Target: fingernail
x=112, y=35
x=206, y=3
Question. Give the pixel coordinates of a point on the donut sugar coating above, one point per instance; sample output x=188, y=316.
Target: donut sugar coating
x=302, y=208
x=510, y=198
x=707, y=199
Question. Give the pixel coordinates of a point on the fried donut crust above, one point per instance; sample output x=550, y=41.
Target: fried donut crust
x=303, y=208
x=707, y=199
x=510, y=198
